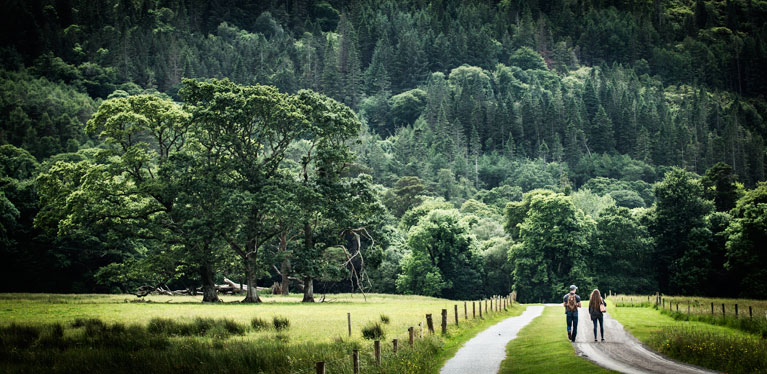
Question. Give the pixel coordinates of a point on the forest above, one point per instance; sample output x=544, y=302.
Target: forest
x=457, y=149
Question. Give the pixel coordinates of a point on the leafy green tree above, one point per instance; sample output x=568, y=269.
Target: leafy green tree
x=622, y=257
x=553, y=249
x=527, y=59
x=746, y=236
x=249, y=128
x=682, y=259
x=443, y=259
x=404, y=195
x=497, y=267
x=719, y=184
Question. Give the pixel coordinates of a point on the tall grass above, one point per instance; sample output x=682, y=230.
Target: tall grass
x=684, y=308
x=221, y=338
x=728, y=353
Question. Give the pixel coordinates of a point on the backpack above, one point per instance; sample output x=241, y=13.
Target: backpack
x=572, y=303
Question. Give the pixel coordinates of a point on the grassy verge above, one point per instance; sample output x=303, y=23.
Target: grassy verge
x=542, y=347
x=751, y=315
x=96, y=334
x=715, y=347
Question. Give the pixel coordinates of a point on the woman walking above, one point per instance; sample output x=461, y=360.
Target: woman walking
x=597, y=306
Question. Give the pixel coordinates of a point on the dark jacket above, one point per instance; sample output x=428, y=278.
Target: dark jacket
x=595, y=312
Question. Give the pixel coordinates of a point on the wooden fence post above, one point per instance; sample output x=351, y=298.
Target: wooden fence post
x=736, y=311
x=456, y=314
x=750, y=316
x=349, y=322
x=429, y=323
x=444, y=321
x=723, y=312
x=320, y=367
x=394, y=343
x=355, y=361
x=410, y=333
x=485, y=306
x=480, y=309
x=377, y=350
x=473, y=310
x=465, y=311
x=712, y=309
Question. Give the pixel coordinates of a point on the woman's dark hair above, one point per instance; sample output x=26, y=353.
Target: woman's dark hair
x=595, y=300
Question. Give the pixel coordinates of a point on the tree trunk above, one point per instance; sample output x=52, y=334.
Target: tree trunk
x=285, y=285
x=308, y=290
x=250, y=275
x=209, y=293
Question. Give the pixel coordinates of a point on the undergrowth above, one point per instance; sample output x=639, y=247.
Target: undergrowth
x=727, y=353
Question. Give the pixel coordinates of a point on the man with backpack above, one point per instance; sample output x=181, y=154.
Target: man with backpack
x=571, y=303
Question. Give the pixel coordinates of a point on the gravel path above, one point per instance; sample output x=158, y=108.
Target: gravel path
x=621, y=351
x=484, y=352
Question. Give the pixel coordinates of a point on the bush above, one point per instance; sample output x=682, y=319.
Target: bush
x=384, y=319
x=259, y=324
x=200, y=327
x=373, y=331
x=280, y=323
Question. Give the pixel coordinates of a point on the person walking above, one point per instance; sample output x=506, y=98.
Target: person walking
x=572, y=302
x=597, y=308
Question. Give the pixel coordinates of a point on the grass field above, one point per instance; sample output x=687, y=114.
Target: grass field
x=542, y=347
x=704, y=344
x=743, y=314
x=53, y=333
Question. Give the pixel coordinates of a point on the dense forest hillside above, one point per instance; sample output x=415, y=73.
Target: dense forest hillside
x=603, y=114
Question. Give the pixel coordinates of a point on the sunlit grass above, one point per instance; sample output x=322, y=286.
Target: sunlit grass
x=182, y=334
x=716, y=347
x=542, y=347
x=318, y=322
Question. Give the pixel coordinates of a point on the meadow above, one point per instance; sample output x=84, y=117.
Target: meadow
x=719, y=343
x=115, y=333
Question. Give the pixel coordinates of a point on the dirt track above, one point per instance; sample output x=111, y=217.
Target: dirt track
x=621, y=351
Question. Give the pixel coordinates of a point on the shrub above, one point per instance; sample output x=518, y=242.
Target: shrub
x=384, y=319
x=280, y=323
x=259, y=324
x=373, y=331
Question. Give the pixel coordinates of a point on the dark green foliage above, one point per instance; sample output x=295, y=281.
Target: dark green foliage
x=622, y=254
x=443, y=259
x=197, y=327
x=554, y=247
x=373, y=331
x=719, y=184
x=682, y=257
x=461, y=100
x=385, y=319
x=258, y=324
x=746, y=236
x=280, y=323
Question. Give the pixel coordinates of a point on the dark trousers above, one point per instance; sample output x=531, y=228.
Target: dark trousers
x=572, y=324
x=601, y=320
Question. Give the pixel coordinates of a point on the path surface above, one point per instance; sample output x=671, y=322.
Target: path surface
x=621, y=351
x=484, y=352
